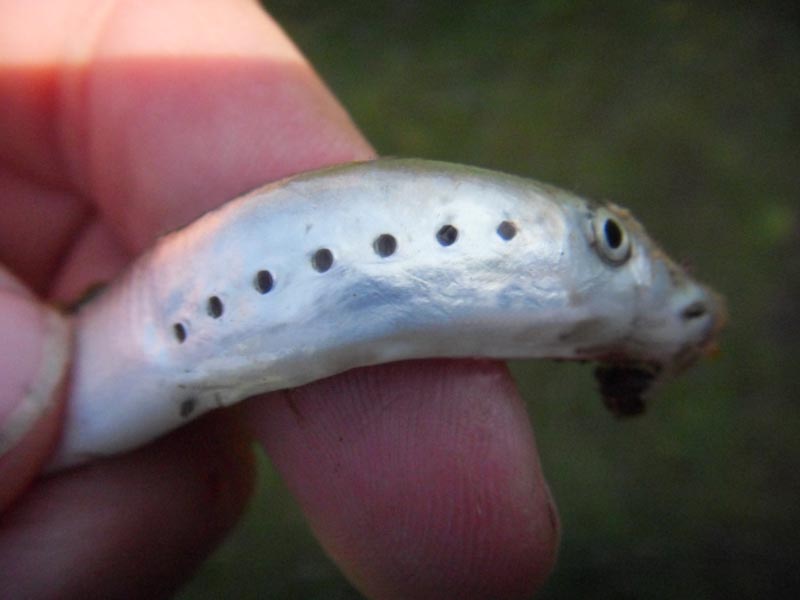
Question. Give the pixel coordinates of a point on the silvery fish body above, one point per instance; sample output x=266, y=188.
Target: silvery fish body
x=363, y=264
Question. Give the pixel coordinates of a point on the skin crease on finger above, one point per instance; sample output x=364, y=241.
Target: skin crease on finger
x=420, y=479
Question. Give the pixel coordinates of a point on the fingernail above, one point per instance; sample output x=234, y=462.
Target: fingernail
x=34, y=342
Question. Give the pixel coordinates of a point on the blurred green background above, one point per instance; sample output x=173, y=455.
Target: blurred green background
x=689, y=114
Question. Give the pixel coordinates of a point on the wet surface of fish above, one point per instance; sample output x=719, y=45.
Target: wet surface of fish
x=368, y=263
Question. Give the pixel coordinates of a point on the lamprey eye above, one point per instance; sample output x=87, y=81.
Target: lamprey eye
x=611, y=239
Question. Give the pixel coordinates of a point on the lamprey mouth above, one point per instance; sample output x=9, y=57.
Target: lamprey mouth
x=623, y=387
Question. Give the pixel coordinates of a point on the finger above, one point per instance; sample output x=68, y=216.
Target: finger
x=226, y=112
x=95, y=257
x=37, y=225
x=135, y=526
x=33, y=366
x=421, y=479
x=195, y=105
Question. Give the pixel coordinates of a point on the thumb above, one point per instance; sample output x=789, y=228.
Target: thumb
x=34, y=344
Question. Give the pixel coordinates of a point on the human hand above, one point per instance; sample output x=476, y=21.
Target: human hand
x=122, y=120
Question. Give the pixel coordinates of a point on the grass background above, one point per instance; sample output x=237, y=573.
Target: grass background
x=689, y=114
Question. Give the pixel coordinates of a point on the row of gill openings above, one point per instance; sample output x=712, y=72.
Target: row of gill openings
x=385, y=245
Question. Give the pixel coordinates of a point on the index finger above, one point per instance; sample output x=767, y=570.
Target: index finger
x=159, y=112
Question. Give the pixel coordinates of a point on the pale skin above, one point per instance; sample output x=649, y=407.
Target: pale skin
x=128, y=119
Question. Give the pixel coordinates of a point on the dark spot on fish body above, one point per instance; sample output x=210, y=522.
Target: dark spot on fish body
x=506, y=230
x=447, y=235
x=215, y=307
x=179, y=329
x=187, y=407
x=322, y=260
x=263, y=282
x=385, y=245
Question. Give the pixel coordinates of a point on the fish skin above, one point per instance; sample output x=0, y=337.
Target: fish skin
x=529, y=271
